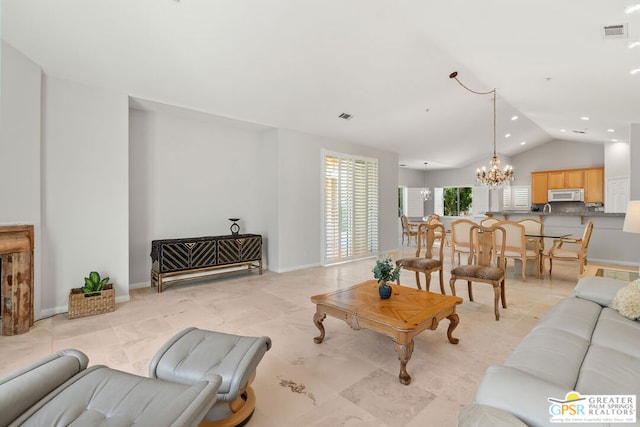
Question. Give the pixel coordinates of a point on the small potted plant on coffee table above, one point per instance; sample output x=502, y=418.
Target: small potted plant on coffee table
x=385, y=272
x=97, y=296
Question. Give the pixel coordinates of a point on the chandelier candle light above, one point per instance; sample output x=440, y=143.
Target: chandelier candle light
x=495, y=177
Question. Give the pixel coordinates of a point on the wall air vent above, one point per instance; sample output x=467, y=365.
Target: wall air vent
x=615, y=32
x=345, y=116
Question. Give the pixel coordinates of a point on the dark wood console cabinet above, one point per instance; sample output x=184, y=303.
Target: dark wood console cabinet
x=171, y=258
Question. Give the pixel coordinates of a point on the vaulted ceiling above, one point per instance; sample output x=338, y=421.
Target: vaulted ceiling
x=299, y=64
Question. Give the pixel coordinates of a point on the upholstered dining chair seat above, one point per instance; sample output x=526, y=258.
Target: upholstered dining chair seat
x=479, y=272
x=419, y=263
x=529, y=252
x=565, y=253
x=486, y=263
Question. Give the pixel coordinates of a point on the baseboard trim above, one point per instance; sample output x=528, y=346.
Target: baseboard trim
x=48, y=312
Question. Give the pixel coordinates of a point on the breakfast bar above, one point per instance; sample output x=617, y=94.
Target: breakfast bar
x=609, y=244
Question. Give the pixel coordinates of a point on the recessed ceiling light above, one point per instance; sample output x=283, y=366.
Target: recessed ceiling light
x=632, y=8
x=633, y=44
x=523, y=142
x=507, y=135
x=611, y=130
x=514, y=117
x=563, y=130
x=635, y=71
x=584, y=118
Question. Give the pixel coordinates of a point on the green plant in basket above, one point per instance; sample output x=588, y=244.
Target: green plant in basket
x=93, y=285
x=385, y=271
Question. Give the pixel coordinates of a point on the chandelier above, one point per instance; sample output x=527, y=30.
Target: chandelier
x=494, y=178
x=425, y=193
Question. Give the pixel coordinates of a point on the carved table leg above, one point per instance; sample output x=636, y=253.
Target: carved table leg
x=454, y=320
x=404, y=354
x=317, y=319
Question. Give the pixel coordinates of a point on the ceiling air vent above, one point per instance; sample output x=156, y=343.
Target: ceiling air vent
x=614, y=31
x=579, y=131
x=345, y=116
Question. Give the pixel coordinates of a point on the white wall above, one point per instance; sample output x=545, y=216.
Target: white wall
x=556, y=154
x=300, y=199
x=616, y=160
x=634, y=159
x=269, y=209
x=85, y=190
x=414, y=178
x=188, y=177
x=20, y=151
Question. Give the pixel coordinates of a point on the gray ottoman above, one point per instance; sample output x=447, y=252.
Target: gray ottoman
x=194, y=353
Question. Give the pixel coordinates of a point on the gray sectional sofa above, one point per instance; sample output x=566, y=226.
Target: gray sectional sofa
x=580, y=345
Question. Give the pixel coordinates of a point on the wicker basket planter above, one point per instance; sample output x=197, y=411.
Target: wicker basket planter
x=81, y=305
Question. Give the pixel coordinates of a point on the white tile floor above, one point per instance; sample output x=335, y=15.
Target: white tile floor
x=351, y=379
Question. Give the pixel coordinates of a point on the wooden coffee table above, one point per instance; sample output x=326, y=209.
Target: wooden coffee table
x=403, y=316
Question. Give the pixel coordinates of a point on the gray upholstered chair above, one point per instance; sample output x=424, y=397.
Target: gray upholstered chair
x=193, y=353
x=60, y=390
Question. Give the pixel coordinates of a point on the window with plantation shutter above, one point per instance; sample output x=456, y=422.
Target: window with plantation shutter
x=350, y=207
x=438, y=201
x=415, y=204
x=516, y=197
x=506, y=198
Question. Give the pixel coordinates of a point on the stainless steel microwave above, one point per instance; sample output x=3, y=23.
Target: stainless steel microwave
x=566, y=195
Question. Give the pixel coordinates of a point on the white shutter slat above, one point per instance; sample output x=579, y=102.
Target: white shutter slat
x=438, y=201
x=521, y=196
x=350, y=207
x=516, y=197
x=506, y=198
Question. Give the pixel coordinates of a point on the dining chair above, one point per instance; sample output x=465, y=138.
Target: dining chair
x=571, y=249
x=516, y=246
x=488, y=222
x=534, y=227
x=486, y=263
x=433, y=216
x=408, y=229
x=460, y=243
x=426, y=261
x=435, y=219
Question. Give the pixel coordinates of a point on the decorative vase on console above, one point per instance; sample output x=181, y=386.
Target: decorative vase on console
x=235, y=228
x=385, y=273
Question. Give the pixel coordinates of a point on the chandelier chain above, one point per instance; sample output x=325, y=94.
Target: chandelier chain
x=494, y=178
